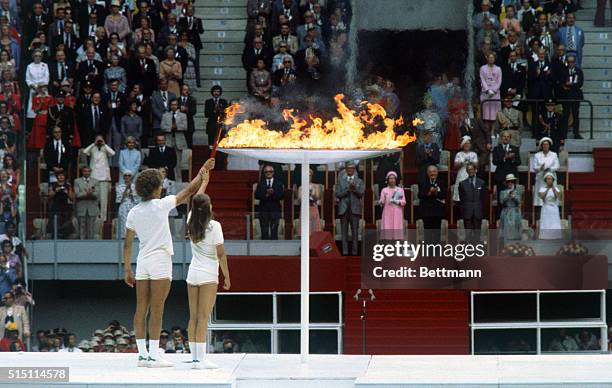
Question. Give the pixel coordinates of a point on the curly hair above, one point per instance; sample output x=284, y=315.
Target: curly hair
x=147, y=182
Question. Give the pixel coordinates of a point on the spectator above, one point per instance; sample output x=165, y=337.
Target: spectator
x=472, y=193
x=189, y=73
x=143, y=110
x=510, y=24
x=100, y=154
x=285, y=37
x=587, y=340
x=90, y=69
x=160, y=103
x=132, y=126
x=269, y=192
x=572, y=79
x=13, y=313
x=285, y=77
x=488, y=32
x=40, y=105
x=572, y=37
x=432, y=207
x=514, y=75
x=545, y=161
x=127, y=198
x=192, y=25
x=490, y=81
x=214, y=110
x=142, y=71
x=463, y=158
x=174, y=124
x=130, y=157
x=563, y=343
x=168, y=188
x=57, y=154
x=485, y=14
x=550, y=220
x=457, y=110
x=427, y=153
x=61, y=115
x=349, y=193
x=116, y=22
x=539, y=83
x=171, y=71
x=308, y=61
x=431, y=122
x=506, y=158
x=115, y=72
x=510, y=119
x=70, y=344
x=481, y=138
x=188, y=106
x=87, y=204
x=250, y=57
x=600, y=13
x=95, y=119
x=551, y=126
x=510, y=201
x=162, y=156
x=61, y=198
x=22, y=297
x=116, y=104
x=261, y=81
x=12, y=259
x=393, y=200
x=314, y=200
x=9, y=235
x=277, y=60
x=11, y=341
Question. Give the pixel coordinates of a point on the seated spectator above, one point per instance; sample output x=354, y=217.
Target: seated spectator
x=130, y=157
x=269, y=192
x=511, y=218
x=87, y=206
x=61, y=200
x=349, y=194
x=393, y=200
x=99, y=161
x=12, y=259
x=11, y=341
x=127, y=198
x=261, y=81
x=563, y=342
x=314, y=200
x=174, y=125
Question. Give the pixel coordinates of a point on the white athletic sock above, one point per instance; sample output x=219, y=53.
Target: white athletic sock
x=142, y=347
x=154, y=349
x=193, y=346
x=201, y=350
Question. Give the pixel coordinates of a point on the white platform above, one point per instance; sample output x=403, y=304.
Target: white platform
x=101, y=370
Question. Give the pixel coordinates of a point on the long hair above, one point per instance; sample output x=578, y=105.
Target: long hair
x=200, y=218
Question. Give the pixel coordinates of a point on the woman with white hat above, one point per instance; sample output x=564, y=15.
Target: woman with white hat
x=462, y=159
x=550, y=220
x=511, y=218
x=545, y=161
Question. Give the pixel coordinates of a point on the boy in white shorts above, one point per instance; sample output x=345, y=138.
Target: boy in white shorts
x=149, y=222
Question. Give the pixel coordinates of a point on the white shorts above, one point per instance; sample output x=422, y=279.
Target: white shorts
x=154, y=268
x=204, y=275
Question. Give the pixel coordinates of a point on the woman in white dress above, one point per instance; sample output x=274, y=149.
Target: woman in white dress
x=208, y=253
x=544, y=162
x=37, y=73
x=550, y=220
x=462, y=159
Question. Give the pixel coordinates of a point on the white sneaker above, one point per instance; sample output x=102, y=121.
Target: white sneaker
x=158, y=363
x=143, y=362
x=204, y=364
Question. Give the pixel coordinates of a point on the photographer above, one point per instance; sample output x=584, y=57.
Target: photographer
x=99, y=163
x=61, y=200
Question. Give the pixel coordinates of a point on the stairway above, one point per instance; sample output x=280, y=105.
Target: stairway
x=597, y=66
x=590, y=197
x=224, y=24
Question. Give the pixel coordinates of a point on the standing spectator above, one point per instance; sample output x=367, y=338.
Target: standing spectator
x=61, y=198
x=485, y=14
x=87, y=205
x=61, y=115
x=116, y=22
x=131, y=123
x=269, y=192
x=539, y=84
x=472, y=192
x=57, y=154
x=160, y=103
x=170, y=70
x=188, y=106
x=116, y=104
x=189, y=71
x=100, y=154
x=9, y=235
x=514, y=75
x=11, y=342
x=141, y=70
x=168, y=188
x=550, y=220
x=174, y=124
x=162, y=156
x=40, y=105
x=506, y=158
x=432, y=207
x=490, y=81
x=393, y=200
x=22, y=297
x=127, y=198
x=600, y=14
x=463, y=159
x=572, y=81
x=551, y=126
x=95, y=119
x=115, y=72
x=349, y=193
x=510, y=119
x=572, y=37
x=12, y=259
x=193, y=26
x=91, y=69
x=510, y=201
x=130, y=157
x=314, y=199
x=214, y=109
x=545, y=161
x=427, y=154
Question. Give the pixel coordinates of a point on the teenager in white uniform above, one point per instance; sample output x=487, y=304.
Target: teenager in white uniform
x=208, y=254
x=149, y=222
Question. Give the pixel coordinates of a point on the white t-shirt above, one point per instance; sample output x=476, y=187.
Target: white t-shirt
x=149, y=220
x=206, y=250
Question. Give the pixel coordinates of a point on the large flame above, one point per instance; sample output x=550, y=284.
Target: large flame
x=343, y=132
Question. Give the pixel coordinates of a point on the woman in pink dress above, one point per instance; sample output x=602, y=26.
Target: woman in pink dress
x=490, y=82
x=393, y=200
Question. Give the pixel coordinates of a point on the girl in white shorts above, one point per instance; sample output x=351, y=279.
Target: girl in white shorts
x=203, y=277
x=149, y=222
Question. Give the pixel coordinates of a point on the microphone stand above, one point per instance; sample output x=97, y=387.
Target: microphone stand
x=363, y=299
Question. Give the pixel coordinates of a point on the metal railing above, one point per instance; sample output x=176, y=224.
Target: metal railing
x=539, y=101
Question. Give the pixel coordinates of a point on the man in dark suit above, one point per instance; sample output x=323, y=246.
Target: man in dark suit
x=539, y=82
x=432, y=203
x=552, y=126
x=214, y=109
x=91, y=70
x=95, y=120
x=160, y=103
x=89, y=27
x=142, y=70
x=193, y=27
x=559, y=64
x=427, y=154
x=180, y=54
x=514, y=75
x=162, y=156
x=189, y=106
x=506, y=158
x=144, y=10
x=472, y=193
x=170, y=28
x=349, y=193
x=289, y=8
x=116, y=103
x=57, y=154
x=573, y=78
x=62, y=116
x=504, y=52
x=86, y=11
x=269, y=192
x=59, y=71
x=144, y=111
x=57, y=27
x=250, y=56
x=69, y=40
x=38, y=21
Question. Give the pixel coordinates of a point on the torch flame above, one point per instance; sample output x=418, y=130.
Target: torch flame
x=343, y=132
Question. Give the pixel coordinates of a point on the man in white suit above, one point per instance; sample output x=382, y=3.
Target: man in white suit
x=174, y=124
x=87, y=206
x=15, y=313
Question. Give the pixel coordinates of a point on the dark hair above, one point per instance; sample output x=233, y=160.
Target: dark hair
x=147, y=183
x=216, y=87
x=200, y=218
